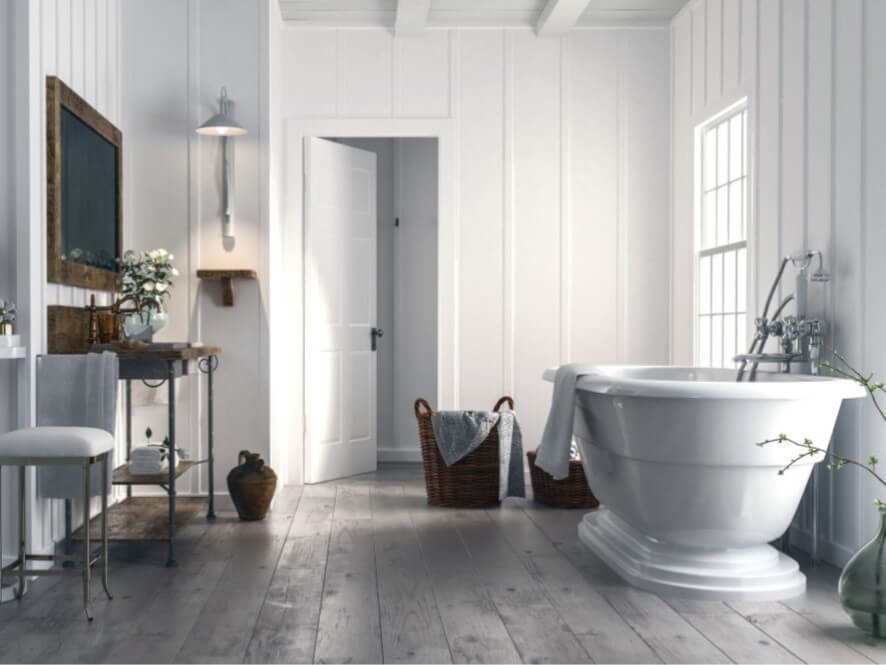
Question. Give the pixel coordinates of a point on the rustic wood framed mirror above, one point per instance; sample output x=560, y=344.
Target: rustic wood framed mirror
x=84, y=191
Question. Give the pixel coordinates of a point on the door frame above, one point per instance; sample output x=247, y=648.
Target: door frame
x=288, y=424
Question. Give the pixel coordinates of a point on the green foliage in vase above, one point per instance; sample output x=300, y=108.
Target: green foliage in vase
x=163, y=447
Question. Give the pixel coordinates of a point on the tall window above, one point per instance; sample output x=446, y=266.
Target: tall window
x=721, y=283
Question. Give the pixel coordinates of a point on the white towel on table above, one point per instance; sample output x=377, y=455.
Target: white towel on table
x=553, y=451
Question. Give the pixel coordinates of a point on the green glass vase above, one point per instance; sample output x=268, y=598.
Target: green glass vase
x=863, y=585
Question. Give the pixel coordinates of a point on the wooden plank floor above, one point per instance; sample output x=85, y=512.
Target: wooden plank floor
x=362, y=570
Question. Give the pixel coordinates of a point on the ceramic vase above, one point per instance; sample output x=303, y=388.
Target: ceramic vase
x=251, y=485
x=143, y=325
x=863, y=585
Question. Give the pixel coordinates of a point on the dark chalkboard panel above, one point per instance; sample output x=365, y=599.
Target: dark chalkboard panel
x=89, y=194
x=84, y=222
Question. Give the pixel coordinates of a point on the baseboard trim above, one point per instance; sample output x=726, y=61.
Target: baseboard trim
x=399, y=455
x=829, y=552
x=224, y=503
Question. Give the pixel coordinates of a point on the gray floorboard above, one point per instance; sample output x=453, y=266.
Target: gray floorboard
x=363, y=570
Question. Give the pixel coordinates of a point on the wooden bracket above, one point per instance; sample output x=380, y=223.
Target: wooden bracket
x=227, y=278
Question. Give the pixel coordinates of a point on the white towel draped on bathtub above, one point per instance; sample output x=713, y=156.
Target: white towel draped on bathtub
x=553, y=451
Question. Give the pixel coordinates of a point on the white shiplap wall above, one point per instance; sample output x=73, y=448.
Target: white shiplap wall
x=812, y=72
x=8, y=369
x=7, y=208
x=562, y=193
x=78, y=41
x=175, y=60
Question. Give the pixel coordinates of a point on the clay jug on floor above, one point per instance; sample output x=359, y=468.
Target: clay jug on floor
x=252, y=486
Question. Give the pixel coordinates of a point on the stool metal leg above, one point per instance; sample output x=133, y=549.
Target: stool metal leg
x=21, y=530
x=87, y=546
x=1, y=526
x=105, y=527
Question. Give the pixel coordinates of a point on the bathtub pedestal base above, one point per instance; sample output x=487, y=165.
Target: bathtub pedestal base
x=751, y=573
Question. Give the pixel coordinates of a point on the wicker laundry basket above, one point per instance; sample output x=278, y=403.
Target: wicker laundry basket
x=472, y=482
x=569, y=492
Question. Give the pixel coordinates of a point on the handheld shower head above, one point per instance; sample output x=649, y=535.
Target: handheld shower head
x=801, y=261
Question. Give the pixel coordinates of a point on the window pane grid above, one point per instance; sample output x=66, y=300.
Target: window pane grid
x=721, y=259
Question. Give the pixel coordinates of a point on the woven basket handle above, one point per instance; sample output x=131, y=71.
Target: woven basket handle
x=503, y=400
x=419, y=403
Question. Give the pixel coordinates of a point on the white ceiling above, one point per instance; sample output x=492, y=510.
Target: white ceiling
x=473, y=13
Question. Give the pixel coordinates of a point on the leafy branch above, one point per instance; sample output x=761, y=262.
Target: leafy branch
x=164, y=447
x=837, y=462
x=864, y=380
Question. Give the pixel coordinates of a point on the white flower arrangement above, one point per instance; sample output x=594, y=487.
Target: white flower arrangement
x=147, y=274
x=7, y=311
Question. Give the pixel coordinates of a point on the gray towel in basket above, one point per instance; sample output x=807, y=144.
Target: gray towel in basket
x=461, y=432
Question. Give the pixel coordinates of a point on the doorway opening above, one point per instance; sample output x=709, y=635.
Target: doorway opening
x=371, y=328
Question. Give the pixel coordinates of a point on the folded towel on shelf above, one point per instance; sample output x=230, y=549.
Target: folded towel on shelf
x=553, y=453
x=145, y=469
x=146, y=460
x=146, y=453
x=461, y=432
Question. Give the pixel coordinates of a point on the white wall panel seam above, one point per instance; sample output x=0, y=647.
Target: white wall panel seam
x=508, y=226
x=832, y=314
x=565, y=207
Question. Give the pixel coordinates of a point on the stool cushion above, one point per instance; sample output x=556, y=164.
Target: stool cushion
x=52, y=442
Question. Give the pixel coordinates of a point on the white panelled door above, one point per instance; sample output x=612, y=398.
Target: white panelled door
x=340, y=311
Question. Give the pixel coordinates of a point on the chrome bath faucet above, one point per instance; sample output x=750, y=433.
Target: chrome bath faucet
x=800, y=338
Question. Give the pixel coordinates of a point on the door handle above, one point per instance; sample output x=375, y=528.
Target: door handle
x=376, y=333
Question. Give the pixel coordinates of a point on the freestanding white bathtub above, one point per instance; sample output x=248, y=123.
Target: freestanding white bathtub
x=690, y=503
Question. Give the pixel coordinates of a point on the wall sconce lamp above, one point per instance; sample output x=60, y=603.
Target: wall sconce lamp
x=224, y=126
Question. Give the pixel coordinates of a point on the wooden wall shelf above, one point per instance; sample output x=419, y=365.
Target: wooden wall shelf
x=227, y=278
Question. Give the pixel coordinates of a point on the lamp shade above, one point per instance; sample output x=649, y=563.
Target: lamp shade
x=221, y=124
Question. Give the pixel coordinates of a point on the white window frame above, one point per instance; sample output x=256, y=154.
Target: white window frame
x=699, y=252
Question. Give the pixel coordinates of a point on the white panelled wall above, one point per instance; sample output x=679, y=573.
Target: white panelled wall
x=562, y=188
x=8, y=369
x=78, y=41
x=176, y=57
x=816, y=88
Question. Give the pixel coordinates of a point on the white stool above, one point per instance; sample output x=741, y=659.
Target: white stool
x=55, y=446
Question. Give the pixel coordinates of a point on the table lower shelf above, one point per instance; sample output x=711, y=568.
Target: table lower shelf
x=145, y=518
x=122, y=476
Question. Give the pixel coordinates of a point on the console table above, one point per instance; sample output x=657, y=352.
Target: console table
x=163, y=362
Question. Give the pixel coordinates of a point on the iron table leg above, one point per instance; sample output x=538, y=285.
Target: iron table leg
x=128, y=428
x=170, y=380
x=211, y=436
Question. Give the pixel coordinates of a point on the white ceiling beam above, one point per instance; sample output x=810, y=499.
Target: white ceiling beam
x=559, y=17
x=412, y=17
